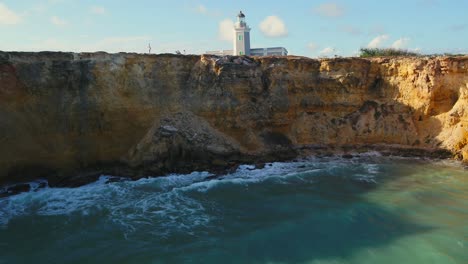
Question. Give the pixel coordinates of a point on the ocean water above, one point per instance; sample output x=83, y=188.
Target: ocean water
x=369, y=209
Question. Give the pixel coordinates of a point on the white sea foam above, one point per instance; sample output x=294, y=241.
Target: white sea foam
x=365, y=178
x=370, y=154
x=129, y=204
x=372, y=168
x=168, y=200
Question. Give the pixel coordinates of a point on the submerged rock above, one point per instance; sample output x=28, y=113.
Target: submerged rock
x=18, y=188
x=15, y=189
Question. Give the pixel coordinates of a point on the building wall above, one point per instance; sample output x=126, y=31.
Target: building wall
x=242, y=42
x=220, y=52
x=247, y=43
x=275, y=51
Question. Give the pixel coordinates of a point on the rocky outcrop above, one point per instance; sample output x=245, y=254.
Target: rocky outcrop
x=73, y=116
x=182, y=141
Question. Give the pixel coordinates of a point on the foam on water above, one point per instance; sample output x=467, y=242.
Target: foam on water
x=333, y=199
x=163, y=199
x=126, y=202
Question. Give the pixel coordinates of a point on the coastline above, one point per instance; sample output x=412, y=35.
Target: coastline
x=70, y=117
x=121, y=172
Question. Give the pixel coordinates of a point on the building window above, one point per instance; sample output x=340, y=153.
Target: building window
x=240, y=37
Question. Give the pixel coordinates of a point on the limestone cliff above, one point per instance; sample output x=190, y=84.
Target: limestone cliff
x=67, y=114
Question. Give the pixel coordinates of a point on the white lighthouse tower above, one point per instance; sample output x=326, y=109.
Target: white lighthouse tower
x=242, y=43
x=242, y=36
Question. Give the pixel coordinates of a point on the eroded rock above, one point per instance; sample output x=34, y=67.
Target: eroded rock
x=84, y=114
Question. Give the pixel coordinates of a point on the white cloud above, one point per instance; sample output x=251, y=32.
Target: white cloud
x=330, y=10
x=58, y=21
x=274, y=27
x=98, y=10
x=8, y=16
x=226, y=30
x=328, y=51
x=377, y=41
x=203, y=10
x=356, y=53
x=400, y=43
x=312, y=46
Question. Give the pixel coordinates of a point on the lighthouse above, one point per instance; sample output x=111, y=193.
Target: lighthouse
x=242, y=43
x=242, y=36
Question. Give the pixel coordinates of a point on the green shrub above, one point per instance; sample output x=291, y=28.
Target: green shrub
x=453, y=54
x=387, y=52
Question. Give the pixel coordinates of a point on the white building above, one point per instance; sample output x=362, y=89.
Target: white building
x=242, y=43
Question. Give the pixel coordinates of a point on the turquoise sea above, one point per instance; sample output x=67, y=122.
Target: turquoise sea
x=368, y=209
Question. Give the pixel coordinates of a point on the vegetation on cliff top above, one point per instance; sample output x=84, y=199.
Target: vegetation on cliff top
x=391, y=52
x=386, y=52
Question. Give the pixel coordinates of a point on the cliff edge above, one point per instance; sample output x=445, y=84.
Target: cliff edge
x=69, y=116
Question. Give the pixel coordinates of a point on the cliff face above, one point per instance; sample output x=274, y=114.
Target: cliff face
x=64, y=114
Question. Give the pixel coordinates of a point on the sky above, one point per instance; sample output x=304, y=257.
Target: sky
x=306, y=28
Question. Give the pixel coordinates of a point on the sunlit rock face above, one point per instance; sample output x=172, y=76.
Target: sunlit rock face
x=68, y=115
